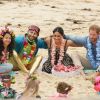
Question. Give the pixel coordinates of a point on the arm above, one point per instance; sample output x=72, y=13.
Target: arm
x=19, y=43
x=78, y=40
x=72, y=44
x=41, y=43
x=20, y=64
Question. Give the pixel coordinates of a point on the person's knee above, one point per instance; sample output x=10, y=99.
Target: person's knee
x=11, y=67
x=6, y=68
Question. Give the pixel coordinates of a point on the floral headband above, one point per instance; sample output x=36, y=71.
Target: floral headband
x=4, y=30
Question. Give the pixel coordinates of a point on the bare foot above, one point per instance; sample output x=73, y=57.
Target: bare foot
x=90, y=78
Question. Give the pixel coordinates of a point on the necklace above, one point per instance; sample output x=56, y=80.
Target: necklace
x=53, y=52
x=94, y=62
x=5, y=56
x=28, y=52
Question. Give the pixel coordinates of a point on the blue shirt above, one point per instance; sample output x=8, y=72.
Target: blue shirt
x=82, y=40
x=19, y=40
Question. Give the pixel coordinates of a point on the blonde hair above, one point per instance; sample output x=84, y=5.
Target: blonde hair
x=32, y=83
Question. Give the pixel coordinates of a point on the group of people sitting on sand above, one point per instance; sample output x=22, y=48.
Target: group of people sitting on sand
x=20, y=52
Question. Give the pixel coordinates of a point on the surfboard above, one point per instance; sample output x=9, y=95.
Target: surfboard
x=21, y=66
x=35, y=64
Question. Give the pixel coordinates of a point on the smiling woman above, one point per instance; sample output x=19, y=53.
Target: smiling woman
x=6, y=49
x=58, y=59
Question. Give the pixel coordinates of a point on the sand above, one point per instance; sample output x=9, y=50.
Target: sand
x=75, y=16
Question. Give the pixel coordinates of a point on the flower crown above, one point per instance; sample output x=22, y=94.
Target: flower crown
x=4, y=30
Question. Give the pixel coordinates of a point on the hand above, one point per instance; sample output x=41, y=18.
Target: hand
x=26, y=79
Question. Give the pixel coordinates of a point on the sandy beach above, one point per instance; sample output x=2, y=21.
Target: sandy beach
x=75, y=16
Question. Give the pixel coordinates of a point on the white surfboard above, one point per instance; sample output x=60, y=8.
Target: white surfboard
x=35, y=64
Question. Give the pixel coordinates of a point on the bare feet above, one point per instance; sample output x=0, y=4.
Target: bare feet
x=91, y=77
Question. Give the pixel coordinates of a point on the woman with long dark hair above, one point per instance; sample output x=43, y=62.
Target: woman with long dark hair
x=58, y=59
x=6, y=49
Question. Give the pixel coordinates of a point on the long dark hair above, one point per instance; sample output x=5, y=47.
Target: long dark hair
x=10, y=46
x=60, y=30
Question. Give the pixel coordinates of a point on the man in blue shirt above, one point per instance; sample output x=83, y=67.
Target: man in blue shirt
x=92, y=45
x=27, y=47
